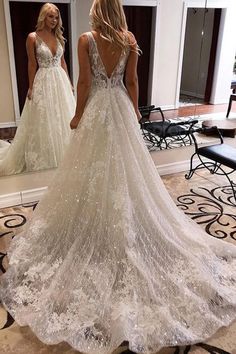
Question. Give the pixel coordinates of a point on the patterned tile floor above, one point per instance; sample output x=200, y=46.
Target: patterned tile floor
x=204, y=198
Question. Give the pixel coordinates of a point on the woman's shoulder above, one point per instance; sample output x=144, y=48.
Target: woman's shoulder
x=132, y=42
x=32, y=35
x=131, y=38
x=31, y=38
x=84, y=36
x=83, y=39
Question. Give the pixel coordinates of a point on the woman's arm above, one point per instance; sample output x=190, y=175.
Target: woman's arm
x=64, y=66
x=84, y=81
x=32, y=62
x=131, y=77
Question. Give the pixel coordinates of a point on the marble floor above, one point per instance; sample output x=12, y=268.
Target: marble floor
x=204, y=198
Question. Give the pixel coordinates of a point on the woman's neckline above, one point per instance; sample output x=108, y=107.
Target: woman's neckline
x=53, y=55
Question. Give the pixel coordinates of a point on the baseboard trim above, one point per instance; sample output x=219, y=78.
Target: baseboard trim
x=167, y=107
x=32, y=195
x=8, y=200
x=22, y=197
x=172, y=168
x=8, y=125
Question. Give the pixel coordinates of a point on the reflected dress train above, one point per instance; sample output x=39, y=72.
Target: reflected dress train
x=44, y=130
x=107, y=256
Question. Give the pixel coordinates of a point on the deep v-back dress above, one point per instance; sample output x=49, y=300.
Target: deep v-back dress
x=44, y=130
x=107, y=256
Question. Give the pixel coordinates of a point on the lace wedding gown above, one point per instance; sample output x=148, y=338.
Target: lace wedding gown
x=107, y=256
x=44, y=130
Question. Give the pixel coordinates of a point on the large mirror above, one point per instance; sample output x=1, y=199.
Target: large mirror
x=23, y=21
x=42, y=122
x=185, y=68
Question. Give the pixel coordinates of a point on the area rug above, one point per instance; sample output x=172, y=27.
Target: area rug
x=204, y=198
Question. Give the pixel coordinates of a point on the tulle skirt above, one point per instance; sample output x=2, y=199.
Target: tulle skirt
x=44, y=130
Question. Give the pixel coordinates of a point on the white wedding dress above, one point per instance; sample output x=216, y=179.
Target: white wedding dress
x=107, y=256
x=44, y=130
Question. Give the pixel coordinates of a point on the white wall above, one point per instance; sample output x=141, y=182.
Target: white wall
x=6, y=97
x=225, y=56
x=166, y=55
x=81, y=24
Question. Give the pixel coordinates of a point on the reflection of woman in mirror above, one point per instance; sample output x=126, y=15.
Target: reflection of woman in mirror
x=108, y=257
x=44, y=129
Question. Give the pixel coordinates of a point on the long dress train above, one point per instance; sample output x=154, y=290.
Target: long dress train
x=44, y=130
x=107, y=256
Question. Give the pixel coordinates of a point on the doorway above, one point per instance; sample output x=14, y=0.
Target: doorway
x=139, y=20
x=23, y=21
x=201, y=36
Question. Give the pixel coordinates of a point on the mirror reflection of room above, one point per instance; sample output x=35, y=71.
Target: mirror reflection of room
x=195, y=77
x=44, y=132
x=207, y=60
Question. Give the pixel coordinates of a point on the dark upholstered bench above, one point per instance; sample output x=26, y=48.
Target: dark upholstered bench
x=221, y=156
x=233, y=86
x=162, y=133
x=231, y=99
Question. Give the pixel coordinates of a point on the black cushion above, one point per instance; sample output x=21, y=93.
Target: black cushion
x=233, y=97
x=164, y=129
x=222, y=153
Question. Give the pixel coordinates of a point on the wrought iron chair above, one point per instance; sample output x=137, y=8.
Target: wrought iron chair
x=164, y=134
x=231, y=99
x=218, y=156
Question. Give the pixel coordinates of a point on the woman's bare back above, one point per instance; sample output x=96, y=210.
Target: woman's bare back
x=109, y=53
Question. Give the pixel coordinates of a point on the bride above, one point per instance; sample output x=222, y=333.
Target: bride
x=44, y=130
x=107, y=256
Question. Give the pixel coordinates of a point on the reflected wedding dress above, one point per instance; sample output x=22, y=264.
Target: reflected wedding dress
x=107, y=256
x=44, y=130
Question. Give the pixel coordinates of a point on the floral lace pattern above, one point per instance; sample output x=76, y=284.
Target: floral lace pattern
x=44, y=56
x=44, y=130
x=107, y=256
x=100, y=77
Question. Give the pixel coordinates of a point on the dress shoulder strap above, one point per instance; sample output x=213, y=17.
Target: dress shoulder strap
x=38, y=39
x=90, y=37
x=90, y=41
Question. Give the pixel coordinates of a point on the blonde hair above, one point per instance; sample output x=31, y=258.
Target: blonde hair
x=58, y=30
x=108, y=17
